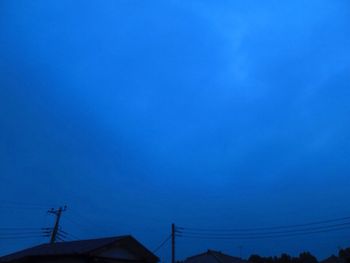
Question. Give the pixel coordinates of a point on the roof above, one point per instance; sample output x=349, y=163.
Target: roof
x=82, y=247
x=212, y=256
x=333, y=259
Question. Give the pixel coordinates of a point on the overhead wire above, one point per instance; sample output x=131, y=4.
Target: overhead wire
x=310, y=228
x=289, y=231
x=18, y=232
x=23, y=236
x=162, y=244
x=267, y=228
x=29, y=232
x=23, y=205
x=70, y=235
x=261, y=236
x=18, y=228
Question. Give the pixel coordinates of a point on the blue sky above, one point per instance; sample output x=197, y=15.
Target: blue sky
x=139, y=114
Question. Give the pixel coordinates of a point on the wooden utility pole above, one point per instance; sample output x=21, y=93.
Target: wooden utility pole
x=58, y=214
x=240, y=247
x=173, y=243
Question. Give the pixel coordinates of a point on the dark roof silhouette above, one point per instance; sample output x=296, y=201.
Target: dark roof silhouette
x=82, y=247
x=333, y=259
x=212, y=256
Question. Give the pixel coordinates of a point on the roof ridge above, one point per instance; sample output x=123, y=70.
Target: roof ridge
x=91, y=239
x=216, y=255
x=86, y=245
x=213, y=254
x=204, y=253
x=79, y=240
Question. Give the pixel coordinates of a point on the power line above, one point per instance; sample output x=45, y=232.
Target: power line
x=35, y=232
x=265, y=236
x=86, y=221
x=61, y=237
x=67, y=235
x=20, y=233
x=267, y=228
x=162, y=244
x=76, y=223
x=82, y=223
x=86, y=224
x=309, y=228
x=22, y=205
x=21, y=237
x=18, y=228
x=247, y=233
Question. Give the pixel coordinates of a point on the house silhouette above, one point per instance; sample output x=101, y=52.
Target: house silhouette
x=212, y=256
x=120, y=249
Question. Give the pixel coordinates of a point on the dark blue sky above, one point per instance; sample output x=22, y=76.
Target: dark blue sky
x=138, y=114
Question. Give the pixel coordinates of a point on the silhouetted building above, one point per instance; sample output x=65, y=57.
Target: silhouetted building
x=212, y=256
x=333, y=259
x=122, y=249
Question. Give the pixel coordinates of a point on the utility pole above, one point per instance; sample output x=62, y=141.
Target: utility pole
x=240, y=247
x=57, y=213
x=173, y=243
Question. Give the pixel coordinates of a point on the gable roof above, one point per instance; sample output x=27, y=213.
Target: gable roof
x=83, y=247
x=212, y=256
